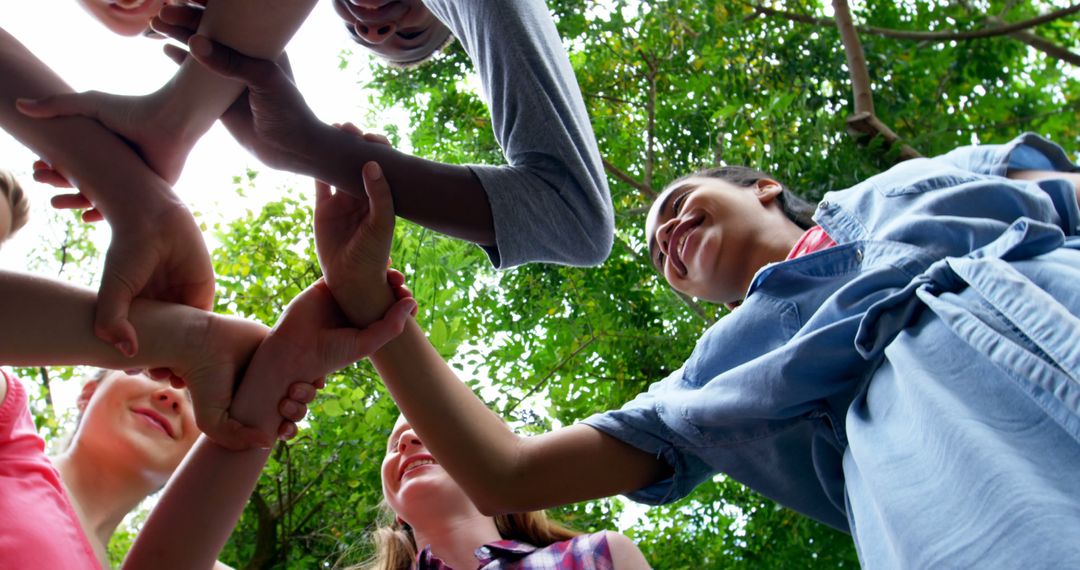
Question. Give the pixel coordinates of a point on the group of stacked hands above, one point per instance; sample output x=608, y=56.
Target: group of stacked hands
x=920, y=323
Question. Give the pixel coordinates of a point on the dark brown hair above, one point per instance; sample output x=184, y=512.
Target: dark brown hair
x=794, y=207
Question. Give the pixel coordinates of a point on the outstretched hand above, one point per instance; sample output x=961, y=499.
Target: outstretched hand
x=143, y=121
x=312, y=339
x=352, y=239
x=271, y=118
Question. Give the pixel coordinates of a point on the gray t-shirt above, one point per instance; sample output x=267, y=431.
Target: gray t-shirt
x=550, y=202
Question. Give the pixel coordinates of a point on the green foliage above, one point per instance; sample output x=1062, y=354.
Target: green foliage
x=671, y=86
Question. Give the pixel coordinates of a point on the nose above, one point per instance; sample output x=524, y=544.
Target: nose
x=408, y=439
x=167, y=399
x=663, y=233
x=375, y=34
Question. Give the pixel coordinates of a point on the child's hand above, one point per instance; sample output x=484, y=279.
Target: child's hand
x=352, y=239
x=145, y=121
x=311, y=339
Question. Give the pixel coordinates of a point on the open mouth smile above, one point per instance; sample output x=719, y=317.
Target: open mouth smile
x=678, y=240
x=416, y=462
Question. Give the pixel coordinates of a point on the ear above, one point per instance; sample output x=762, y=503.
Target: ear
x=767, y=190
x=86, y=393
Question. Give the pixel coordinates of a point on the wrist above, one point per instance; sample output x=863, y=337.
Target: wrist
x=363, y=301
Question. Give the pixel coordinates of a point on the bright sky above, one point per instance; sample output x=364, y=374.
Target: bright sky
x=88, y=56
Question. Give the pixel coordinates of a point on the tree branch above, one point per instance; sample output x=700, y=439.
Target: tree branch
x=935, y=37
x=1042, y=44
x=566, y=359
x=621, y=175
x=856, y=58
x=863, y=121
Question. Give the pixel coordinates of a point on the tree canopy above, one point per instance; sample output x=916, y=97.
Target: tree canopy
x=671, y=86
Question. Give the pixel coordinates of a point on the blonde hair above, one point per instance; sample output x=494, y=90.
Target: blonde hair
x=395, y=546
x=20, y=205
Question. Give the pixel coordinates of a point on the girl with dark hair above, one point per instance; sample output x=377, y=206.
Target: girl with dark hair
x=907, y=370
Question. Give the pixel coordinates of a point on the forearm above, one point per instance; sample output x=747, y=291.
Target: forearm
x=444, y=197
x=472, y=443
x=500, y=471
x=196, y=96
x=91, y=157
x=1073, y=177
x=198, y=509
x=47, y=322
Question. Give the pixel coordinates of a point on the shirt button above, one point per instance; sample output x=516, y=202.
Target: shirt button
x=825, y=205
x=483, y=551
x=858, y=255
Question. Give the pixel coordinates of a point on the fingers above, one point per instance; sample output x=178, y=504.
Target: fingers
x=70, y=202
x=223, y=60
x=177, y=22
x=395, y=278
x=378, y=191
x=292, y=411
x=92, y=216
x=86, y=104
x=123, y=277
x=46, y=174
x=322, y=192
x=175, y=53
x=287, y=431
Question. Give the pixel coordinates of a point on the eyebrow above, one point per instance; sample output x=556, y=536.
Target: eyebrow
x=663, y=206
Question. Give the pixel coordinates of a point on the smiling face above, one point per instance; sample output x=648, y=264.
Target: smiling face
x=708, y=237
x=414, y=484
x=401, y=31
x=137, y=421
x=124, y=17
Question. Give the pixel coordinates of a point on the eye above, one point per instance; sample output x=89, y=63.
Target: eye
x=677, y=204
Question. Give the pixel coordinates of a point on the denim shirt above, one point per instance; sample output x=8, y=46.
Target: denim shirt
x=765, y=395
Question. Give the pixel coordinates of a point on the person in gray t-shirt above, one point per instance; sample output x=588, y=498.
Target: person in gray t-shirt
x=549, y=203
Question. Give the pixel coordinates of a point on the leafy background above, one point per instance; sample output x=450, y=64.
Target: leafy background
x=671, y=86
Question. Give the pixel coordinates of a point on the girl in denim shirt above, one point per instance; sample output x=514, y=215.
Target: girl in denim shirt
x=907, y=371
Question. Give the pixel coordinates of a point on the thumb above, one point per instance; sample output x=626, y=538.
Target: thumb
x=123, y=278
x=379, y=196
x=64, y=104
x=347, y=345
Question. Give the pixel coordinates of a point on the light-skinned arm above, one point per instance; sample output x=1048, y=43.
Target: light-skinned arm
x=204, y=499
x=499, y=470
x=48, y=322
x=1073, y=177
x=166, y=124
x=156, y=250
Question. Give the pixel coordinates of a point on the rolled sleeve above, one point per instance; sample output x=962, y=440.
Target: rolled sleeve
x=550, y=202
x=640, y=426
x=1028, y=151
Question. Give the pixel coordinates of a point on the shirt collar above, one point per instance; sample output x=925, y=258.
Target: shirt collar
x=486, y=554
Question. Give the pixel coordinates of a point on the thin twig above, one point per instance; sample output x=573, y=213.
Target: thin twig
x=935, y=37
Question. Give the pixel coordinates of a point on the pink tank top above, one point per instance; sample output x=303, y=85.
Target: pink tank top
x=38, y=524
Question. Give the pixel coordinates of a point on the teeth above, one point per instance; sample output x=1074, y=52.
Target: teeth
x=129, y=4
x=419, y=463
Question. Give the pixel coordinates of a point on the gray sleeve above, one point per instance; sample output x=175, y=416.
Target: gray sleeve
x=550, y=202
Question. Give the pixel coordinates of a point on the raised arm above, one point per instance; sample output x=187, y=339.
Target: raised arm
x=156, y=250
x=500, y=471
x=166, y=124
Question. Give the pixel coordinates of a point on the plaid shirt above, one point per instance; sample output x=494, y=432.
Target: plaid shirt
x=583, y=552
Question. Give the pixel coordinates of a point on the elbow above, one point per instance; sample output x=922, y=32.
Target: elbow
x=597, y=224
